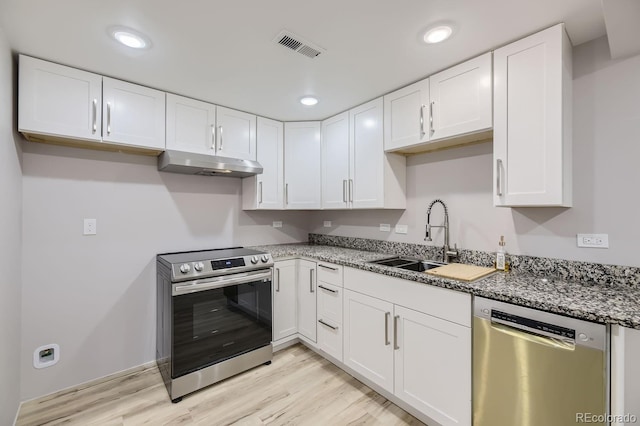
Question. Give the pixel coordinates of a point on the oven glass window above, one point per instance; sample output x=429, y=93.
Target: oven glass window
x=214, y=325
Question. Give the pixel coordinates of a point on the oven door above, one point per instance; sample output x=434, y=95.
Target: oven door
x=218, y=318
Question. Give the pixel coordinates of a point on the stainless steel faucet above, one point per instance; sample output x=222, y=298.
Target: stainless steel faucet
x=448, y=254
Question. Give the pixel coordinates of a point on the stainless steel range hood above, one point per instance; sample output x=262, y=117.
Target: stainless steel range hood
x=206, y=165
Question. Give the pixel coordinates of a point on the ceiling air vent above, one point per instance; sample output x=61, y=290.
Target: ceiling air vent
x=298, y=44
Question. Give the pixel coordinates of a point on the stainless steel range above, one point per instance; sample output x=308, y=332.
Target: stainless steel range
x=214, y=316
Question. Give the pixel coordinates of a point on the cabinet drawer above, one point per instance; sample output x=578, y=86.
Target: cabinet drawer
x=330, y=273
x=330, y=303
x=330, y=337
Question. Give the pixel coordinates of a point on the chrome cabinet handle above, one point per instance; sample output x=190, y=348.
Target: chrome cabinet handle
x=327, y=289
x=344, y=191
x=278, y=280
x=422, y=107
x=220, y=133
x=327, y=267
x=387, y=315
x=327, y=325
x=311, y=290
x=213, y=137
x=431, y=107
x=498, y=178
x=260, y=193
x=286, y=193
x=395, y=332
x=351, y=190
x=108, y=118
x=95, y=116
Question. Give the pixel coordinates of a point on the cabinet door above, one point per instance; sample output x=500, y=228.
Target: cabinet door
x=367, y=154
x=132, y=115
x=307, y=299
x=433, y=366
x=405, y=119
x=302, y=165
x=59, y=101
x=236, y=134
x=461, y=99
x=190, y=125
x=270, y=154
x=335, y=162
x=368, y=335
x=532, y=121
x=285, y=319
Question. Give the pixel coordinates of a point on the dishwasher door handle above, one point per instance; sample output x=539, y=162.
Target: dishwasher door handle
x=533, y=338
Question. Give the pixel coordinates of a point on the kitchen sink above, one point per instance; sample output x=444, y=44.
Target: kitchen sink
x=409, y=264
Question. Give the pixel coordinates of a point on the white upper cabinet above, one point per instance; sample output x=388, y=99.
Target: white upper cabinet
x=265, y=191
x=532, y=121
x=377, y=180
x=132, y=115
x=335, y=162
x=59, y=101
x=461, y=99
x=356, y=172
x=449, y=108
x=302, y=174
x=405, y=116
x=236, y=134
x=190, y=125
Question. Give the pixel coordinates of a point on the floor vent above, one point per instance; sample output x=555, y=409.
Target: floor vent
x=298, y=44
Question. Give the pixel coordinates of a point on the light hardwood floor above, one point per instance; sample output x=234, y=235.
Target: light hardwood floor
x=298, y=388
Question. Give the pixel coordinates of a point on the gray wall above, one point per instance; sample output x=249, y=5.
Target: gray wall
x=95, y=295
x=606, y=128
x=10, y=242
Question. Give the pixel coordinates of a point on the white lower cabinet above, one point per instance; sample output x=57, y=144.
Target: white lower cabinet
x=411, y=339
x=330, y=319
x=433, y=365
x=307, y=299
x=367, y=338
x=285, y=315
x=330, y=296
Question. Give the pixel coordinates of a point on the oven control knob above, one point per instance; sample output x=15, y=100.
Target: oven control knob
x=198, y=266
x=184, y=268
x=265, y=258
x=254, y=259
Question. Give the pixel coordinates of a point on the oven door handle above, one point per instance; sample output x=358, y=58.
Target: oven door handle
x=219, y=282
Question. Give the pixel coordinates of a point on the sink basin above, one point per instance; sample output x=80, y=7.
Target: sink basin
x=409, y=264
x=421, y=266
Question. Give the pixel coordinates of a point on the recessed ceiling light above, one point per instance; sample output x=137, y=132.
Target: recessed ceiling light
x=130, y=38
x=437, y=34
x=308, y=100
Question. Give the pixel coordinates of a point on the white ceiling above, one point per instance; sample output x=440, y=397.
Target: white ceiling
x=222, y=51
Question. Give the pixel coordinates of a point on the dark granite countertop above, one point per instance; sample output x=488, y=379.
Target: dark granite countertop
x=604, y=303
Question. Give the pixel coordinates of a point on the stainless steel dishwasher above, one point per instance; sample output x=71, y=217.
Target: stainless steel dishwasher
x=535, y=368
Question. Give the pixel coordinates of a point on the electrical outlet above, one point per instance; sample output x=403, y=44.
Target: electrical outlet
x=593, y=240
x=401, y=229
x=327, y=224
x=385, y=227
x=277, y=224
x=90, y=227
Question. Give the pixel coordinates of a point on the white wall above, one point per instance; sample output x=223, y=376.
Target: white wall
x=95, y=295
x=606, y=129
x=10, y=241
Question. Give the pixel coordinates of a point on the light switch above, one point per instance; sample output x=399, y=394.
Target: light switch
x=90, y=227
